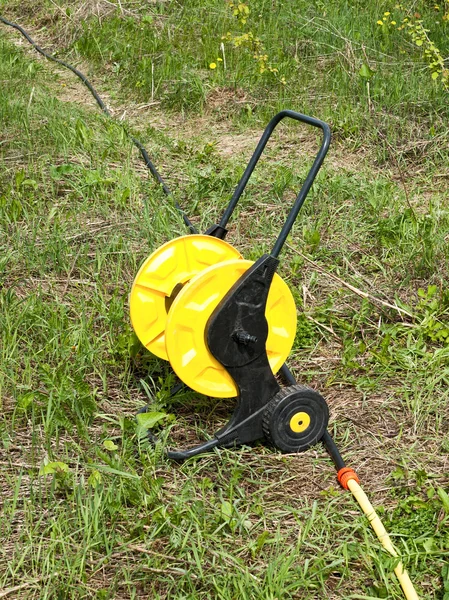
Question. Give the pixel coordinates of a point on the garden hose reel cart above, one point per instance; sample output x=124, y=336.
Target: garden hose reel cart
x=227, y=325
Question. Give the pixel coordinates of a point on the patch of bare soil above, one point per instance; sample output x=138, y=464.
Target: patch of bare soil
x=224, y=101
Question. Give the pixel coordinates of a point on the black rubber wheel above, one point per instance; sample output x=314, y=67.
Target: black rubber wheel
x=295, y=419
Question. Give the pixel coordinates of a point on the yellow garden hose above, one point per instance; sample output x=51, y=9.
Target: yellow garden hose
x=349, y=480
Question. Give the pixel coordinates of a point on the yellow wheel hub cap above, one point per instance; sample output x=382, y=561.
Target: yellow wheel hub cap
x=299, y=422
x=187, y=320
x=162, y=275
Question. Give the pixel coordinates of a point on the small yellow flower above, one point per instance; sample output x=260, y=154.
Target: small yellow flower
x=380, y=22
x=393, y=23
x=386, y=14
x=212, y=66
x=219, y=60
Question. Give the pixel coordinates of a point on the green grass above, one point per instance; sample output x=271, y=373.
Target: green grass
x=318, y=48
x=89, y=511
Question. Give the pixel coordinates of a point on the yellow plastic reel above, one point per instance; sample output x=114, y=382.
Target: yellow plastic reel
x=186, y=326
x=162, y=275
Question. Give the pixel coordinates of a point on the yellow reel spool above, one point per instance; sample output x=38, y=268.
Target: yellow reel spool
x=186, y=326
x=162, y=275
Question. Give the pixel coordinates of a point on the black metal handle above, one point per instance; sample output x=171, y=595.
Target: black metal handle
x=306, y=185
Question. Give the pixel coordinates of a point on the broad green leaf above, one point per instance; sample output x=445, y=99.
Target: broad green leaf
x=366, y=72
x=30, y=183
x=429, y=544
x=95, y=478
x=150, y=419
x=109, y=445
x=53, y=467
x=61, y=170
x=261, y=540
x=444, y=499
x=226, y=510
x=26, y=400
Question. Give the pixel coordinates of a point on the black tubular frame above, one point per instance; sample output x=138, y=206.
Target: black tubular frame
x=306, y=185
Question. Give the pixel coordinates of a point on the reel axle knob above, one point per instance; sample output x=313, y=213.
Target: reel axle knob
x=243, y=337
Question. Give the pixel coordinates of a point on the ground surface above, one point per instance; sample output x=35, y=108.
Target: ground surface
x=86, y=510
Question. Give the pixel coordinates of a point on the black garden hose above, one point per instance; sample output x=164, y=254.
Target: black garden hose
x=103, y=107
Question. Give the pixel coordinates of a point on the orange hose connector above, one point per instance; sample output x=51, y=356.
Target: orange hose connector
x=344, y=475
